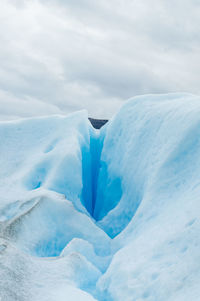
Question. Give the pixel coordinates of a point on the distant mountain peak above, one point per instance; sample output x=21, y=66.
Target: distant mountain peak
x=97, y=123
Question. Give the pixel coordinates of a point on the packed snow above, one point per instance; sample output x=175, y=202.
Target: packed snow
x=108, y=215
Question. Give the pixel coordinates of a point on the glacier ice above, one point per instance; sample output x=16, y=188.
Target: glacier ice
x=105, y=215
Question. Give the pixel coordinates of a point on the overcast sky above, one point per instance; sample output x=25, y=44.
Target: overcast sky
x=60, y=56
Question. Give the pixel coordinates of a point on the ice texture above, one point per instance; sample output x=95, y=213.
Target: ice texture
x=153, y=146
x=105, y=215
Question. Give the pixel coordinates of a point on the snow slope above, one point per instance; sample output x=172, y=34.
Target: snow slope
x=103, y=215
x=153, y=146
x=46, y=197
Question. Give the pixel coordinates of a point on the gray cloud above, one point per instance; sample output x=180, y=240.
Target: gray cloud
x=89, y=54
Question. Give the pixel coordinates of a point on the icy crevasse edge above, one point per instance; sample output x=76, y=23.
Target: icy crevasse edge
x=153, y=144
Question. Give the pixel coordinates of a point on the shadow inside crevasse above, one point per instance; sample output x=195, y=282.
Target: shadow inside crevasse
x=100, y=192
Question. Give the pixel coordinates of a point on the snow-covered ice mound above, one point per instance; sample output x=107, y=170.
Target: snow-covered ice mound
x=106, y=215
x=153, y=146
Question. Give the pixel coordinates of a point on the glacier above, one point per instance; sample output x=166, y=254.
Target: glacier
x=109, y=214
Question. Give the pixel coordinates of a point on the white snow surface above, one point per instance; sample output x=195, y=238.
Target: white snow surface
x=105, y=215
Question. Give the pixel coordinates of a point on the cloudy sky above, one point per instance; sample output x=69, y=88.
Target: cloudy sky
x=59, y=56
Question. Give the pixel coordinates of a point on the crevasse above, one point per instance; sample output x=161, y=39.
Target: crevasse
x=90, y=171
x=147, y=167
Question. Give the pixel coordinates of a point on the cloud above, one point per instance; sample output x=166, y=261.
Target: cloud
x=95, y=54
x=13, y=107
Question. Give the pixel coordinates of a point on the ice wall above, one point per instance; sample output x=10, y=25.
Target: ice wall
x=153, y=145
x=48, y=178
